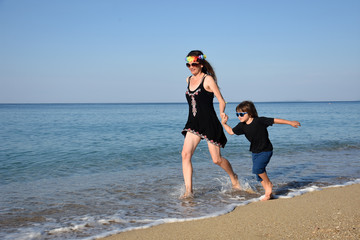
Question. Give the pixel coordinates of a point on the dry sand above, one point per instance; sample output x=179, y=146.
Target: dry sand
x=332, y=213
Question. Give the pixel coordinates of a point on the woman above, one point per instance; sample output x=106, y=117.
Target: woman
x=202, y=120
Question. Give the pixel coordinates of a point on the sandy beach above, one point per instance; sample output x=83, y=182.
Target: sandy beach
x=332, y=213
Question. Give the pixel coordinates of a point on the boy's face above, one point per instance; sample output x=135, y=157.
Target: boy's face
x=242, y=115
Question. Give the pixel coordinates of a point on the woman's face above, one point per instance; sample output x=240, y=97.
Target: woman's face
x=194, y=67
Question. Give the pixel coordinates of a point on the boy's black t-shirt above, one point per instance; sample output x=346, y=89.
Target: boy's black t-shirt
x=256, y=132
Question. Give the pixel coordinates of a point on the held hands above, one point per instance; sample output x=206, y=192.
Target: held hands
x=222, y=115
x=227, y=128
x=224, y=118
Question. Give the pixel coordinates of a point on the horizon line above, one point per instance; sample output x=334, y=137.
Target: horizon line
x=230, y=102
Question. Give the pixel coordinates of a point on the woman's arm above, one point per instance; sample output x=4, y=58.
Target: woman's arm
x=211, y=86
x=294, y=124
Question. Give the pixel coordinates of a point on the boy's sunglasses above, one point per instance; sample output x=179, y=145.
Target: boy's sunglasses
x=192, y=64
x=241, y=114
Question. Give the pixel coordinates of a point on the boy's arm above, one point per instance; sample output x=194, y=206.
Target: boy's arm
x=228, y=129
x=294, y=124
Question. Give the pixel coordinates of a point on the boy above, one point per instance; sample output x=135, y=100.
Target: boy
x=255, y=130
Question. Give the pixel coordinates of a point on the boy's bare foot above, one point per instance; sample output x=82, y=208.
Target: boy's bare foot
x=268, y=191
x=267, y=197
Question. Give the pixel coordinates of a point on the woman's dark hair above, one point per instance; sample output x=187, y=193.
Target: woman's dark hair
x=249, y=107
x=207, y=69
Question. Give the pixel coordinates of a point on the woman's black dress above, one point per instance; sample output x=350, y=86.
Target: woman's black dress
x=202, y=119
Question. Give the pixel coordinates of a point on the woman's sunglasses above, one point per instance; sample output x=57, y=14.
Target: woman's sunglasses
x=192, y=64
x=241, y=114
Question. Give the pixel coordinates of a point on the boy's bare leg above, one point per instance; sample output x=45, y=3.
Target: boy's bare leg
x=267, y=185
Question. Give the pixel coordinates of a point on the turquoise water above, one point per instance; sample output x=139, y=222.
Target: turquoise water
x=80, y=171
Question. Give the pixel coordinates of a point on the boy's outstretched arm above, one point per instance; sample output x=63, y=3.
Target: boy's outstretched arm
x=227, y=127
x=295, y=124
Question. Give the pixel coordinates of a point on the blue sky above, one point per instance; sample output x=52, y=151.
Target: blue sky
x=72, y=51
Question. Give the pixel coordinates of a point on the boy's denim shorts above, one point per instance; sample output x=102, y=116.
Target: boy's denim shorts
x=260, y=161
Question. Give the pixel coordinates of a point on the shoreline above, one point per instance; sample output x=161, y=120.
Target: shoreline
x=332, y=212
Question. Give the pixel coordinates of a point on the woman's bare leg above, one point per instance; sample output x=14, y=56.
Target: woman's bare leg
x=224, y=164
x=190, y=143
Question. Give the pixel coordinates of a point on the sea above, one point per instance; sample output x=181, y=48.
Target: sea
x=86, y=171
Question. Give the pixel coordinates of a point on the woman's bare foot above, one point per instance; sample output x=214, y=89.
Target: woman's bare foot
x=250, y=190
x=187, y=195
x=235, y=182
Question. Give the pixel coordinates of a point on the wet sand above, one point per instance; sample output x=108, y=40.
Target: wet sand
x=332, y=213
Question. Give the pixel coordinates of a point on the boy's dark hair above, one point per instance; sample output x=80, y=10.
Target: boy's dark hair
x=249, y=107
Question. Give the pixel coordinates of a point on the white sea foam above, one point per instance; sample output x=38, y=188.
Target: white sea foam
x=25, y=234
x=298, y=192
x=68, y=229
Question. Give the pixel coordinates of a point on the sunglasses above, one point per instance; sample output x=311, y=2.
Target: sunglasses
x=192, y=64
x=241, y=114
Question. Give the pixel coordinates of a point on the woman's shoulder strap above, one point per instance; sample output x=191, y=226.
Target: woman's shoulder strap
x=203, y=79
x=188, y=79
